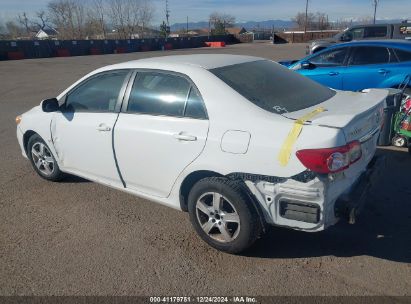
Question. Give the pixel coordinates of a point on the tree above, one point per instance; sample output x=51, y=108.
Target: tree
x=69, y=17
x=322, y=21
x=220, y=22
x=317, y=21
x=42, y=21
x=129, y=17
x=3, y=33
x=304, y=22
x=24, y=22
x=97, y=15
x=146, y=16
x=164, y=30
x=14, y=30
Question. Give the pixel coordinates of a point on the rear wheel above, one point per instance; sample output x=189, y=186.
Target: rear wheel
x=42, y=159
x=223, y=215
x=399, y=141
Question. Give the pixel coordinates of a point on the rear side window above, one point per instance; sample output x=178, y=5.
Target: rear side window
x=370, y=55
x=330, y=58
x=158, y=94
x=403, y=55
x=375, y=32
x=273, y=87
x=165, y=94
x=195, y=107
x=99, y=94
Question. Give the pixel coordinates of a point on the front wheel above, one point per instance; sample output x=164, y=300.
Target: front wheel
x=223, y=215
x=42, y=159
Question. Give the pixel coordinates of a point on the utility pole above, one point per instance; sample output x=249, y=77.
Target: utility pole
x=187, y=25
x=306, y=16
x=167, y=18
x=167, y=14
x=375, y=9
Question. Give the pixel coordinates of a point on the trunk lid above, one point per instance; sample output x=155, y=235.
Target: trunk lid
x=357, y=114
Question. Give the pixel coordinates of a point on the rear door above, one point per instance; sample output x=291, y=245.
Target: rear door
x=163, y=127
x=368, y=67
x=329, y=67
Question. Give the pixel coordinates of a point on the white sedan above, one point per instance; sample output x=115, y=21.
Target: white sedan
x=237, y=141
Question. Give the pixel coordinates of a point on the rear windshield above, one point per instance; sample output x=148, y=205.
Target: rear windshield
x=272, y=86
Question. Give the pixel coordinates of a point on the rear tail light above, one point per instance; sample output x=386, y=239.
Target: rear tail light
x=330, y=160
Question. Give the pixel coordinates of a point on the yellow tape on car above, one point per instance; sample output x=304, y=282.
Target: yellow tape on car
x=287, y=147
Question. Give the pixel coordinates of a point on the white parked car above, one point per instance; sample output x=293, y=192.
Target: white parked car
x=237, y=141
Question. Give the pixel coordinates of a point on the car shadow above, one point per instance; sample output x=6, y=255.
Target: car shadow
x=383, y=229
x=72, y=179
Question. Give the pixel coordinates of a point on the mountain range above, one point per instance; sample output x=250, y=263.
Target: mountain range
x=278, y=24
x=249, y=25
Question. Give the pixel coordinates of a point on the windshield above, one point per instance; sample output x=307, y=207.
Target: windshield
x=272, y=86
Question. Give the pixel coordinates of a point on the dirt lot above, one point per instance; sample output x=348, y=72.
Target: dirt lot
x=80, y=238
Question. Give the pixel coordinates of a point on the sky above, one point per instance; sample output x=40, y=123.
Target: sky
x=246, y=10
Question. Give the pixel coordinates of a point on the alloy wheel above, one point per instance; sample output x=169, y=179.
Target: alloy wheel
x=42, y=158
x=218, y=217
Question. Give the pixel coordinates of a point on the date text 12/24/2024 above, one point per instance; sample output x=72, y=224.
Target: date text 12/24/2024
x=203, y=299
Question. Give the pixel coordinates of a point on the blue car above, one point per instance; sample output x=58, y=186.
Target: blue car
x=358, y=65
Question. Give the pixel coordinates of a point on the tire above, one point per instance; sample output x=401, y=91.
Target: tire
x=42, y=159
x=399, y=141
x=236, y=224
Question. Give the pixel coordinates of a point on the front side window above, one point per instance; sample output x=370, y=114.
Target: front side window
x=403, y=55
x=375, y=32
x=273, y=87
x=159, y=94
x=330, y=58
x=357, y=33
x=370, y=55
x=99, y=94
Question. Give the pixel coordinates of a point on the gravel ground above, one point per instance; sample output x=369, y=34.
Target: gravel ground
x=80, y=238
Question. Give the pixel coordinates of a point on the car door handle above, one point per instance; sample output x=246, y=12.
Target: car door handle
x=185, y=137
x=103, y=128
x=383, y=71
x=333, y=73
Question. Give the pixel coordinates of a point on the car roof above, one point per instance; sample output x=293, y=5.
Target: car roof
x=205, y=61
x=401, y=43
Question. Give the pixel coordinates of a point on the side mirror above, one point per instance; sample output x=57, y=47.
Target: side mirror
x=50, y=105
x=346, y=37
x=306, y=65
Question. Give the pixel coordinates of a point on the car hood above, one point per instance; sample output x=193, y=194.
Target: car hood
x=356, y=113
x=325, y=40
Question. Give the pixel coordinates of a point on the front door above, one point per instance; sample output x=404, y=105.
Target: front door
x=163, y=129
x=82, y=131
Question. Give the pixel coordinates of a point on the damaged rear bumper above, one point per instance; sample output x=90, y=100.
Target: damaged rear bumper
x=316, y=204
